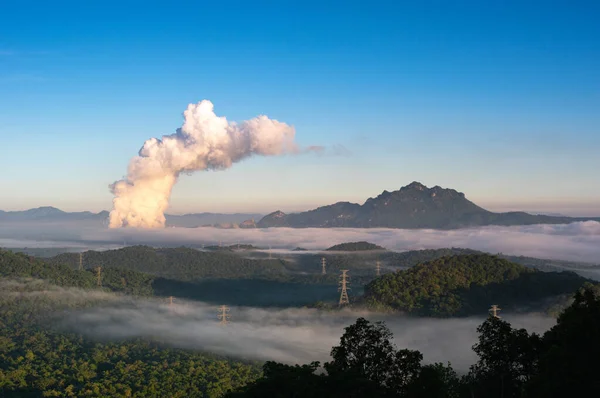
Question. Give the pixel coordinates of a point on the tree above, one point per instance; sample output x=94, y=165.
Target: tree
x=569, y=363
x=281, y=380
x=366, y=351
x=507, y=359
x=435, y=381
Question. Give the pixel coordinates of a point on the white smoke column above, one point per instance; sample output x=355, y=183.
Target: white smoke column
x=205, y=141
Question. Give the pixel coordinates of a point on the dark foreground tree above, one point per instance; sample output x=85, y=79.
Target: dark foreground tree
x=507, y=359
x=365, y=364
x=281, y=380
x=568, y=366
x=435, y=381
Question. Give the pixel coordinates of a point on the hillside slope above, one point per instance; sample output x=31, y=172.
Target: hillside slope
x=19, y=265
x=466, y=285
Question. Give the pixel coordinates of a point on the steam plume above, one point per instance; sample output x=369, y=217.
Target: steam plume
x=205, y=141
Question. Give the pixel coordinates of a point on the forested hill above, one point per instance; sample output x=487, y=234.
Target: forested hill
x=355, y=246
x=466, y=285
x=182, y=263
x=18, y=265
x=41, y=361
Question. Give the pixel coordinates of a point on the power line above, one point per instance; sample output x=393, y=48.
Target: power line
x=224, y=315
x=99, y=275
x=494, y=311
x=344, y=282
x=323, y=264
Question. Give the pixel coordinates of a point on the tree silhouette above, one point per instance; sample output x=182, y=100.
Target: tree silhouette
x=507, y=359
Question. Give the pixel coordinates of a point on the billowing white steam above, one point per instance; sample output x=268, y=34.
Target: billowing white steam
x=205, y=141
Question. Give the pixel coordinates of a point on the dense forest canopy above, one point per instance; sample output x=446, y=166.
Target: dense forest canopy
x=245, y=278
x=182, y=263
x=113, y=279
x=36, y=360
x=355, y=247
x=466, y=284
x=39, y=360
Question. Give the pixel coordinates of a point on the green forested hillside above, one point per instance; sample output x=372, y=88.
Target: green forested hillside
x=355, y=246
x=411, y=258
x=183, y=264
x=465, y=285
x=37, y=361
x=114, y=279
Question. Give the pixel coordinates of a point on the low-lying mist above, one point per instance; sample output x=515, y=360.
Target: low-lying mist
x=290, y=335
x=578, y=241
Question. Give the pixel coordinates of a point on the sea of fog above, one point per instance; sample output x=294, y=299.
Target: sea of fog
x=296, y=335
x=293, y=335
x=285, y=335
x=578, y=241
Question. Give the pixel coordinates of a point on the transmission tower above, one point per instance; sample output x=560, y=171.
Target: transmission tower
x=171, y=298
x=80, y=261
x=99, y=275
x=494, y=311
x=378, y=268
x=323, y=264
x=344, y=282
x=224, y=315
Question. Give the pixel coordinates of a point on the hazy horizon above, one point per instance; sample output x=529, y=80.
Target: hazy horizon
x=581, y=209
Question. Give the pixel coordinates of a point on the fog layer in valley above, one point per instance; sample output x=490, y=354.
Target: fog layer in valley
x=291, y=335
x=575, y=242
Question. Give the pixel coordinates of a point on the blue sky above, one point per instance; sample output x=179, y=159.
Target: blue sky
x=500, y=101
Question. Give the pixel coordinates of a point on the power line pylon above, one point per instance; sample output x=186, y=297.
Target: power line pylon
x=494, y=311
x=171, y=298
x=99, y=275
x=323, y=265
x=80, y=261
x=344, y=282
x=378, y=268
x=224, y=315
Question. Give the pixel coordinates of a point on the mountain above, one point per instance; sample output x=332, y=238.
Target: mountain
x=49, y=213
x=412, y=206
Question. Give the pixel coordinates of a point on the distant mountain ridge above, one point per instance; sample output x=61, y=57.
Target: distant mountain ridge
x=412, y=206
x=49, y=213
